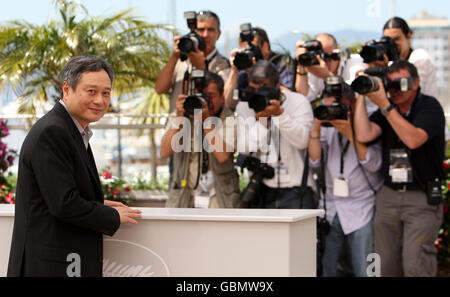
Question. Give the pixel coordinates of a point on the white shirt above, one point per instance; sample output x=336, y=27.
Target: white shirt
x=294, y=125
x=427, y=74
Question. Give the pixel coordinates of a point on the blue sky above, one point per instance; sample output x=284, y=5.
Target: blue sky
x=277, y=17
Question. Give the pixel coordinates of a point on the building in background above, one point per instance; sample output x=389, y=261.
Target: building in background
x=433, y=35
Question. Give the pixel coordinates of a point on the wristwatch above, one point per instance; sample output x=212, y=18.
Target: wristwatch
x=385, y=111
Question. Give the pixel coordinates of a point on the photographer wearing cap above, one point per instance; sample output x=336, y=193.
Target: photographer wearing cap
x=281, y=123
x=352, y=176
x=203, y=54
x=260, y=43
x=409, y=209
x=330, y=60
x=203, y=178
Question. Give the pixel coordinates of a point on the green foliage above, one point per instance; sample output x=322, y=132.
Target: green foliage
x=144, y=181
x=32, y=56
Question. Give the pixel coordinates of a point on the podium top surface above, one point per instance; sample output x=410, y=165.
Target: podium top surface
x=222, y=214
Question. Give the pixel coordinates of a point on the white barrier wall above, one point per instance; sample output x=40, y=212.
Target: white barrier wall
x=204, y=242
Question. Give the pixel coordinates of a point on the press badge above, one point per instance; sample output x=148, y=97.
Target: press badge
x=340, y=187
x=400, y=168
x=201, y=201
x=284, y=173
x=204, y=191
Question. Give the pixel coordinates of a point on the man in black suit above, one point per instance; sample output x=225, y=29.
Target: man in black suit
x=60, y=214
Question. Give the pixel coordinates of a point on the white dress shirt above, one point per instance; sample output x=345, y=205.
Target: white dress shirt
x=356, y=210
x=294, y=126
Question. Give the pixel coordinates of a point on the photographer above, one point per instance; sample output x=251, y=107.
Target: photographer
x=352, y=176
x=206, y=178
x=284, y=64
x=409, y=209
x=331, y=61
x=288, y=116
x=398, y=29
x=206, y=25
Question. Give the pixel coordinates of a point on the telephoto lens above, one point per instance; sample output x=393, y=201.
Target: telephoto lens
x=365, y=85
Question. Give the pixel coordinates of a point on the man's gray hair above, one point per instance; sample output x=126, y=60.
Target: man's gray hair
x=263, y=70
x=71, y=73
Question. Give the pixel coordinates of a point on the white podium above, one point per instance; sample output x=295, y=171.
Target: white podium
x=204, y=243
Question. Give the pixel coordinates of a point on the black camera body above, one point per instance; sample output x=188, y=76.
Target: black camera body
x=337, y=110
x=244, y=57
x=314, y=48
x=190, y=41
x=196, y=98
x=368, y=84
x=375, y=50
x=259, y=99
x=260, y=171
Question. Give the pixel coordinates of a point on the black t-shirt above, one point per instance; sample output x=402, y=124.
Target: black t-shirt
x=425, y=113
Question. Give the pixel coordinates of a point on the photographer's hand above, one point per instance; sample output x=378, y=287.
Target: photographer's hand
x=197, y=58
x=379, y=97
x=180, y=105
x=176, y=51
x=274, y=109
x=320, y=70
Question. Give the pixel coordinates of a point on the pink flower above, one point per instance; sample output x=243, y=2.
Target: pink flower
x=107, y=174
x=10, y=198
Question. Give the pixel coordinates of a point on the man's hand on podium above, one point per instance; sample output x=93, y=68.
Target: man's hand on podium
x=127, y=215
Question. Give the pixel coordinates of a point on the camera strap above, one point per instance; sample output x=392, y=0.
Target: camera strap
x=208, y=61
x=186, y=83
x=343, y=152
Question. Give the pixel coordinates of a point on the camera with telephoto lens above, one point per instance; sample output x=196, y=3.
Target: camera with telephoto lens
x=196, y=98
x=260, y=171
x=243, y=58
x=190, y=41
x=368, y=84
x=334, y=87
x=314, y=48
x=375, y=50
x=258, y=99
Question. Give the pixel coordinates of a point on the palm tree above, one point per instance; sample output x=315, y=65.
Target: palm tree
x=32, y=56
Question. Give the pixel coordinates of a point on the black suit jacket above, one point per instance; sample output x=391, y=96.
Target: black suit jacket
x=59, y=202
